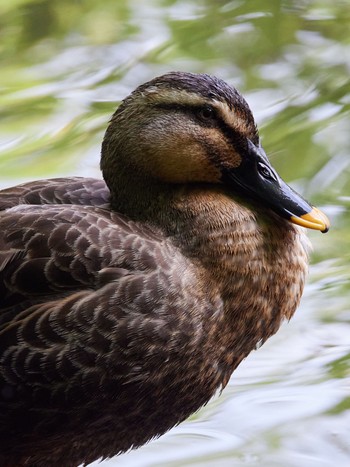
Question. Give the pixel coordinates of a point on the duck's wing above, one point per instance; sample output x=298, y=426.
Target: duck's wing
x=82, y=277
x=73, y=190
x=48, y=252
x=89, y=303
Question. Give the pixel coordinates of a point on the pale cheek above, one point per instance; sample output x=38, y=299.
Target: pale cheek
x=180, y=160
x=182, y=152
x=188, y=165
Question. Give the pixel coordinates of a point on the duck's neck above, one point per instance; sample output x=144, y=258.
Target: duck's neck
x=256, y=260
x=249, y=260
x=247, y=251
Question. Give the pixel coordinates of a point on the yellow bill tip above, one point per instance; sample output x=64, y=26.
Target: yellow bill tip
x=315, y=219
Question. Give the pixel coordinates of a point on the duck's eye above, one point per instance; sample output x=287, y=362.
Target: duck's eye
x=265, y=171
x=206, y=112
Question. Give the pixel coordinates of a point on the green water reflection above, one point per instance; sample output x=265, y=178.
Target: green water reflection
x=65, y=67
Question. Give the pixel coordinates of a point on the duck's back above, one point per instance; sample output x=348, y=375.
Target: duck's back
x=73, y=190
x=96, y=312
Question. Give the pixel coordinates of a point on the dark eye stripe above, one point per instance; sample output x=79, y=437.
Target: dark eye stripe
x=205, y=114
x=234, y=137
x=193, y=112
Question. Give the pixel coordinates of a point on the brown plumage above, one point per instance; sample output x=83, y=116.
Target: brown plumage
x=123, y=309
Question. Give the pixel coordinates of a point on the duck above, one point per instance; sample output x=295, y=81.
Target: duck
x=127, y=303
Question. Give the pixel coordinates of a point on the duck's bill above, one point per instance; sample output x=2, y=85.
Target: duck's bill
x=315, y=219
x=282, y=199
x=257, y=179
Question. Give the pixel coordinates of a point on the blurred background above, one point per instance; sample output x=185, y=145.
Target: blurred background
x=66, y=65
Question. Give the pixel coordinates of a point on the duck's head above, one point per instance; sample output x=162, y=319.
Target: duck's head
x=184, y=128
